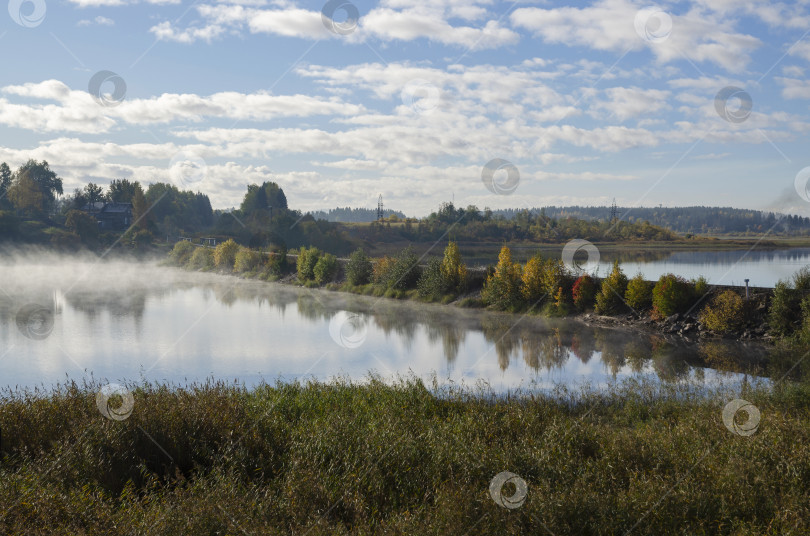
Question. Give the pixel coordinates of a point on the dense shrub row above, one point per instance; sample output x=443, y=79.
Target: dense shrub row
x=229, y=256
x=546, y=284
x=542, y=284
x=444, y=278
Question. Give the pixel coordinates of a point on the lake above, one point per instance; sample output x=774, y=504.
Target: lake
x=129, y=322
x=723, y=267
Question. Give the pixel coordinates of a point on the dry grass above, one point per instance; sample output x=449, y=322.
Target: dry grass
x=344, y=458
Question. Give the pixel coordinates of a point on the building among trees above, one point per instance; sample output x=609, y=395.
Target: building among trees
x=110, y=216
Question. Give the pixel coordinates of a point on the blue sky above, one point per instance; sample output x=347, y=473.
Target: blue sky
x=588, y=101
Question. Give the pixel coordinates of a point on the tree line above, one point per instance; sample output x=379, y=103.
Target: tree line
x=695, y=219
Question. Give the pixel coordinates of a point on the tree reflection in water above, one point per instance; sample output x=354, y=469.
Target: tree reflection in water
x=542, y=344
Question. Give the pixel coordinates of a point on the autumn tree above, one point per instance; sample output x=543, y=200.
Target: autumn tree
x=532, y=280
x=26, y=195
x=453, y=271
x=502, y=288
x=46, y=180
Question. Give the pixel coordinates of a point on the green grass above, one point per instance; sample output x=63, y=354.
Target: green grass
x=343, y=458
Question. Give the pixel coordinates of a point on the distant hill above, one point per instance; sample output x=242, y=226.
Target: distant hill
x=353, y=215
x=698, y=220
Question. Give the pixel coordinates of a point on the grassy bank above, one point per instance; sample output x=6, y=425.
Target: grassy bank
x=360, y=459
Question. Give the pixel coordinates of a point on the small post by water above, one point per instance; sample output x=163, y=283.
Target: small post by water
x=746, y=288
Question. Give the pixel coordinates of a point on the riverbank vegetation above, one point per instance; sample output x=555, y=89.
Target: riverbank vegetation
x=542, y=285
x=34, y=210
x=339, y=458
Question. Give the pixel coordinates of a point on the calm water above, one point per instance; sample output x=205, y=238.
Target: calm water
x=130, y=322
x=763, y=267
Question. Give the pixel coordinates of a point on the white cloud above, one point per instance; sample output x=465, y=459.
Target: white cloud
x=392, y=21
x=609, y=25
x=801, y=49
x=77, y=111
x=629, y=102
x=99, y=21
x=793, y=88
x=430, y=23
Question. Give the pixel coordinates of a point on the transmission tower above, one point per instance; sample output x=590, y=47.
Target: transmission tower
x=614, y=212
x=380, y=212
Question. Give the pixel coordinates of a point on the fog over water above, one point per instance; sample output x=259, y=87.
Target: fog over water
x=128, y=321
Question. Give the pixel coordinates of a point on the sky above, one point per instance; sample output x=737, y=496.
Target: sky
x=494, y=104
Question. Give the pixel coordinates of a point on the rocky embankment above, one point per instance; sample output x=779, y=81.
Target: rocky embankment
x=689, y=326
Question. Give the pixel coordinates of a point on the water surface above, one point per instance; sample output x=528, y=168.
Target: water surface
x=129, y=322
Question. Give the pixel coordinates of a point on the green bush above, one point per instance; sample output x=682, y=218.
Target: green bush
x=225, y=254
x=307, y=259
x=201, y=259
x=84, y=225
x=610, y=298
x=671, y=294
x=639, y=293
x=782, y=314
x=381, y=270
x=725, y=314
x=432, y=284
x=801, y=279
x=326, y=269
x=181, y=252
x=405, y=272
x=701, y=287
x=277, y=261
x=359, y=269
x=584, y=292
x=246, y=260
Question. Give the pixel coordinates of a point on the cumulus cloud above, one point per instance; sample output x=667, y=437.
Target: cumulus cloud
x=610, y=25
x=443, y=22
x=77, y=111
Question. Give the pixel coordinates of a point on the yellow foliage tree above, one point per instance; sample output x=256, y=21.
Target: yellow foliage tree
x=532, y=287
x=453, y=270
x=502, y=289
x=26, y=195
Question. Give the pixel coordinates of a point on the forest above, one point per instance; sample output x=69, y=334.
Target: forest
x=34, y=209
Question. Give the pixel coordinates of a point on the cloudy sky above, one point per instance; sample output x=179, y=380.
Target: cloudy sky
x=679, y=103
